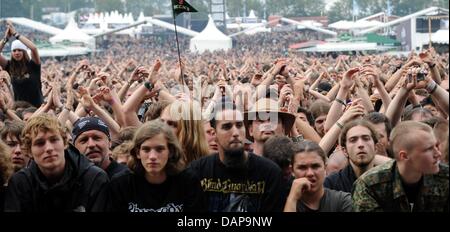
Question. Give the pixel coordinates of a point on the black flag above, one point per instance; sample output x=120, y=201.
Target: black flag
x=180, y=6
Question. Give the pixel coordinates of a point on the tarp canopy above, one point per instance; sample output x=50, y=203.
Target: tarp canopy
x=440, y=36
x=350, y=25
x=341, y=25
x=382, y=40
x=307, y=44
x=309, y=23
x=210, y=39
x=36, y=25
x=345, y=47
x=73, y=34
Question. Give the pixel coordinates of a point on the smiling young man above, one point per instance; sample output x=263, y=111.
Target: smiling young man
x=59, y=178
x=415, y=181
x=91, y=137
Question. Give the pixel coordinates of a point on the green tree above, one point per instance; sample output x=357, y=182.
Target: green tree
x=109, y=5
x=235, y=8
x=342, y=9
x=296, y=7
x=12, y=8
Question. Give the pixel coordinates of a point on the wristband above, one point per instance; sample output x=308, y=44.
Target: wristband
x=432, y=65
x=339, y=125
x=434, y=88
x=340, y=101
x=431, y=87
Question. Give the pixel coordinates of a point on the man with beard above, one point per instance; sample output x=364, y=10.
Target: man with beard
x=233, y=179
x=357, y=139
x=91, y=137
x=415, y=181
x=264, y=120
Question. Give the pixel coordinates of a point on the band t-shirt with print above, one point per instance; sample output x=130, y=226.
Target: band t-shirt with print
x=259, y=187
x=133, y=193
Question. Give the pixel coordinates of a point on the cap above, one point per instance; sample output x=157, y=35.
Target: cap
x=16, y=44
x=89, y=123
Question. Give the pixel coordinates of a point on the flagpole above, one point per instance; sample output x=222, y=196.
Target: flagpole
x=178, y=48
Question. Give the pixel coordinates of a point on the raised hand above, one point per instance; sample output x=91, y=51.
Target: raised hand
x=354, y=111
x=348, y=79
x=299, y=186
x=410, y=79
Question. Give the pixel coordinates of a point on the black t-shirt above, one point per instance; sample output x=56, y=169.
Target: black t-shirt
x=133, y=193
x=2, y=196
x=257, y=188
x=411, y=191
x=342, y=180
x=115, y=168
x=29, y=87
x=332, y=201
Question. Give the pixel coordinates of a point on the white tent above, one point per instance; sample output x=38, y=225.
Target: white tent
x=73, y=34
x=360, y=24
x=341, y=25
x=350, y=25
x=210, y=39
x=252, y=15
x=440, y=36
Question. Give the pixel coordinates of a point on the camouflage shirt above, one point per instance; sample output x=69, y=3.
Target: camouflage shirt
x=380, y=189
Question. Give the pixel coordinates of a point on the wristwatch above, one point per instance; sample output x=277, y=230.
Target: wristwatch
x=148, y=85
x=297, y=139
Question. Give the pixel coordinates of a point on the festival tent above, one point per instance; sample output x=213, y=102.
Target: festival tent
x=440, y=37
x=73, y=34
x=252, y=15
x=350, y=25
x=210, y=39
x=341, y=25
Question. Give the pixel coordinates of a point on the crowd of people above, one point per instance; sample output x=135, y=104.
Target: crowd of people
x=257, y=128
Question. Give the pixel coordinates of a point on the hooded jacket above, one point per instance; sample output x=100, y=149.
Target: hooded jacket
x=82, y=188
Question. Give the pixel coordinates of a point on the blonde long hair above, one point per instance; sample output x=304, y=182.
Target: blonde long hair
x=190, y=132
